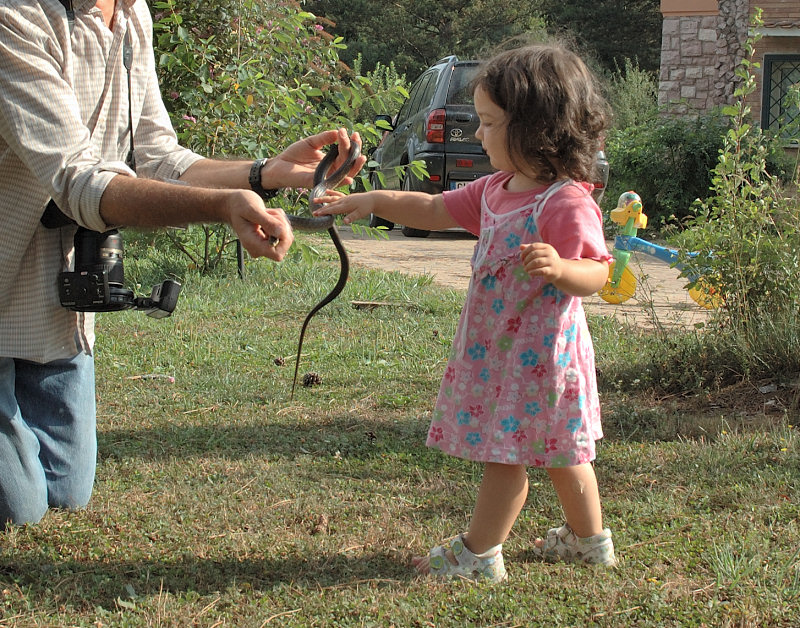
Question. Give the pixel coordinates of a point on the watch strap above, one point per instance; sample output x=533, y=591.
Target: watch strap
x=255, y=180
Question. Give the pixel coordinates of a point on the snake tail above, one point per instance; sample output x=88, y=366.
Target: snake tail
x=344, y=272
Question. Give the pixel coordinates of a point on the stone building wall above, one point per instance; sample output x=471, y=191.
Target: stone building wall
x=699, y=53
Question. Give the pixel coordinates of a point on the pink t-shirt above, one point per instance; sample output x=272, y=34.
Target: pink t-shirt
x=571, y=221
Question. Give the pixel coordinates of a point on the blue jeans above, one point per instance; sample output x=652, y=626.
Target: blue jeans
x=48, y=440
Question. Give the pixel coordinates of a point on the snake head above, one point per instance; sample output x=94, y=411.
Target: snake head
x=323, y=181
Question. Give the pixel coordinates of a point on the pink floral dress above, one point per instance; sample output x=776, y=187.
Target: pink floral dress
x=520, y=385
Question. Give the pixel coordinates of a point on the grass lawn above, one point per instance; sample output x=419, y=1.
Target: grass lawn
x=221, y=502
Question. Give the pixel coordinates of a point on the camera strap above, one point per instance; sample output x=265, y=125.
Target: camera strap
x=53, y=217
x=127, y=61
x=70, y=14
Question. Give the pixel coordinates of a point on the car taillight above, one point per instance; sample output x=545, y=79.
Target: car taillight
x=464, y=163
x=434, y=131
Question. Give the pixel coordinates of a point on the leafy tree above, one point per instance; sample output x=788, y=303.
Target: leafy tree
x=413, y=34
x=612, y=31
x=249, y=78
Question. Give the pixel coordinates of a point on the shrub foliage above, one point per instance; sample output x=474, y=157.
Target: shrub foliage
x=746, y=231
x=246, y=79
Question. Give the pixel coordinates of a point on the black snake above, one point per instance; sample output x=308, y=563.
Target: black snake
x=323, y=182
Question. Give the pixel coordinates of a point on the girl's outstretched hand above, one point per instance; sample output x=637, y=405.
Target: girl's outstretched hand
x=355, y=206
x=542, y=260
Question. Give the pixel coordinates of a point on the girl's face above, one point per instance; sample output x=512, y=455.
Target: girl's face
x=492, y=130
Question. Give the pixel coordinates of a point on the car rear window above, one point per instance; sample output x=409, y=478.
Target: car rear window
x=460, y=89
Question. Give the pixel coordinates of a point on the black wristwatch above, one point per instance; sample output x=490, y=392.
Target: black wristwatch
x=255, y=180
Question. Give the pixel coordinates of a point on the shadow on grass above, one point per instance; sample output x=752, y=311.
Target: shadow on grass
x=102, y=583
x=360, y=438
x=338, y=437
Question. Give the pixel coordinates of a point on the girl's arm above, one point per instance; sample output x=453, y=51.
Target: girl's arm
x=576, y=277
x=418, y=210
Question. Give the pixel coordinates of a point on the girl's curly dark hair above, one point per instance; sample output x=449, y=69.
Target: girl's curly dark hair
x=555, y=113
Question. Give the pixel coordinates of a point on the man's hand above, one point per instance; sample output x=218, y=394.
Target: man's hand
x=294, y=167
x=263, y=231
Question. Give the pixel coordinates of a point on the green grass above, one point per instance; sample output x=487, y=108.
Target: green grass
x=221, y=502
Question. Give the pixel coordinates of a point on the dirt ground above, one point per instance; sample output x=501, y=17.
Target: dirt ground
x=445, y=256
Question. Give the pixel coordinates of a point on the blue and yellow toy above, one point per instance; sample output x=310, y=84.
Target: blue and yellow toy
x=621, y=284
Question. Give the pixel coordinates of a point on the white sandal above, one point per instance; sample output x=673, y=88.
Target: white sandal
x=487, y=566
x=562, y=544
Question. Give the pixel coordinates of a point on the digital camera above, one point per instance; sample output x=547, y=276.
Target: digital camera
x=96, y=284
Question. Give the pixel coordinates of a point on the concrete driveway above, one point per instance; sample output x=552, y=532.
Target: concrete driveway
x=660, y=298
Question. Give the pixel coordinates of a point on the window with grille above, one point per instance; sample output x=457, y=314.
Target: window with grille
x=778, y=112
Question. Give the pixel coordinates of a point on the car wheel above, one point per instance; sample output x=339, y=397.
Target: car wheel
x=377, y=221
x=410, y=232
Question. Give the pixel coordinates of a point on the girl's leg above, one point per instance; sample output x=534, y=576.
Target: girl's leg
x=580, y=498
x=500, y=499
x=583, y=538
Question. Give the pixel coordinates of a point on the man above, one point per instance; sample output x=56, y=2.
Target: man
x=72, y=130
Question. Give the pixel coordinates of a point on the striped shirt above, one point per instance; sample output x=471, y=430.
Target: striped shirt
x=64, y=134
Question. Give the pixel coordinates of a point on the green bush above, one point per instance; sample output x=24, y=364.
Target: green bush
x=746, y=235
x=632, y=94
x=740, y=244
x=247, y=78
x=746, y=232
x=667, y=161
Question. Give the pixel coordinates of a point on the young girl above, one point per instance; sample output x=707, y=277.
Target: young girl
x=520, y=387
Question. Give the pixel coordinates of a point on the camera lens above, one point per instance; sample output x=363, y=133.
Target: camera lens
x=93, y=249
